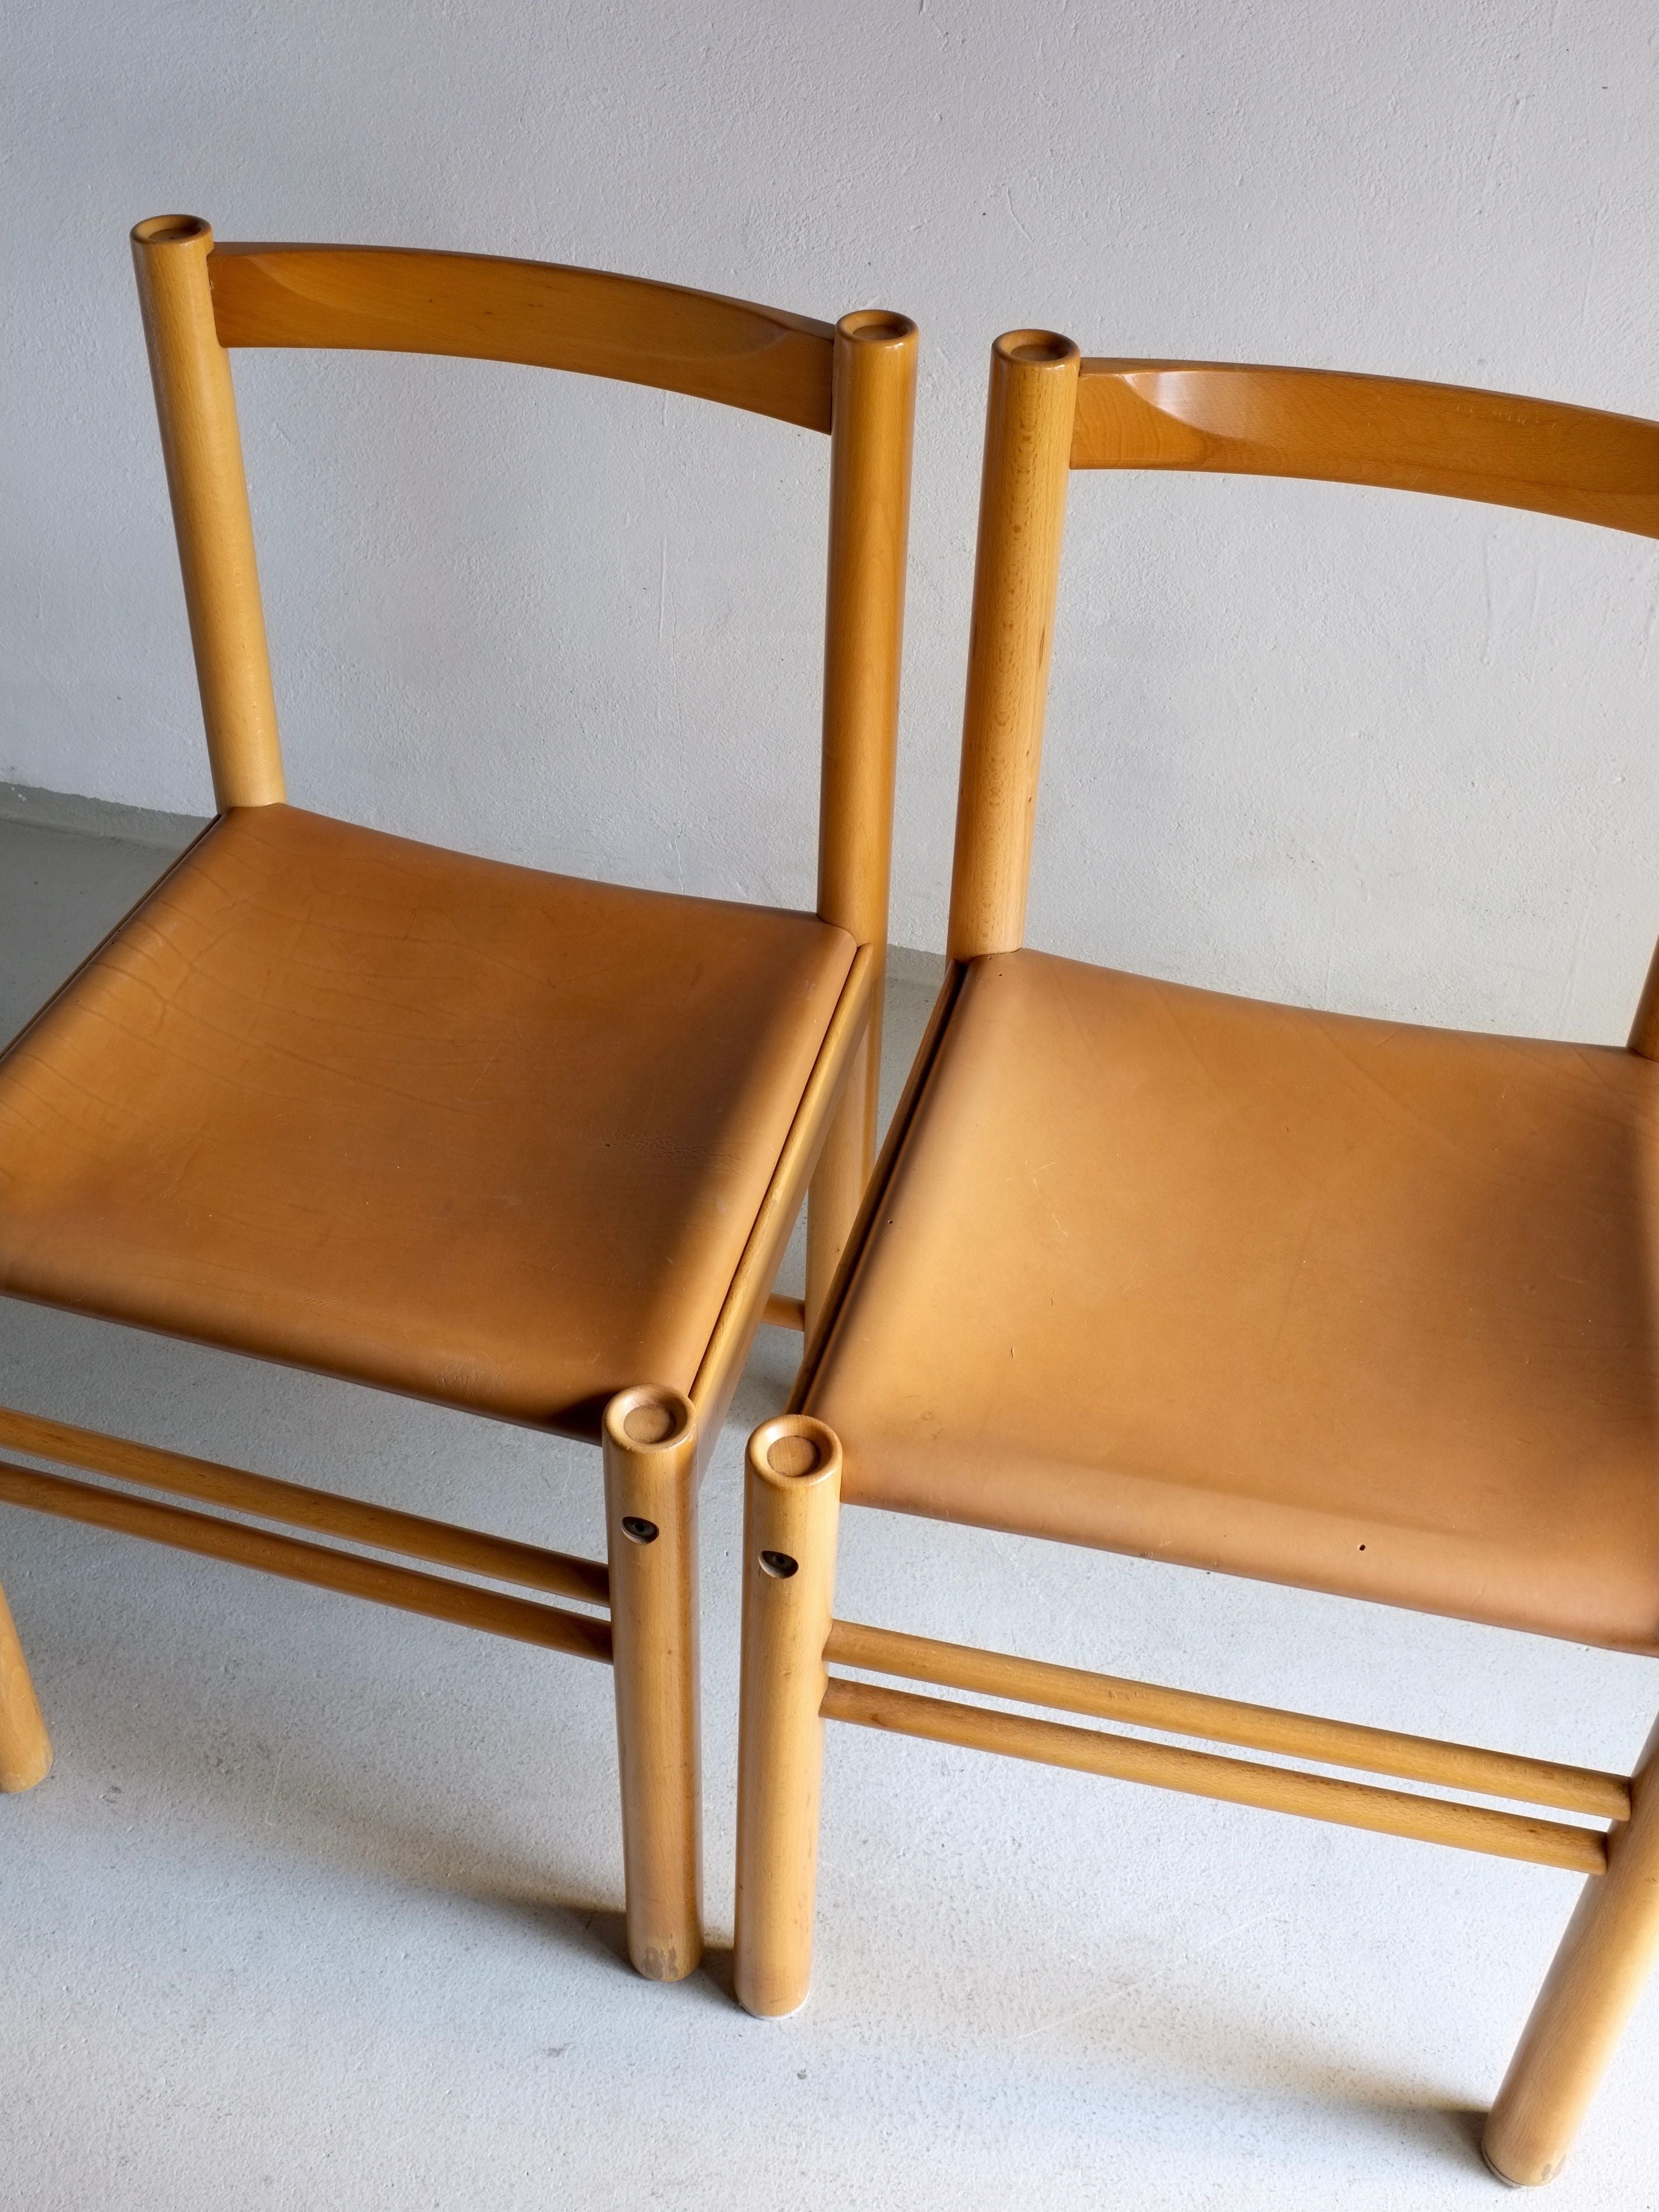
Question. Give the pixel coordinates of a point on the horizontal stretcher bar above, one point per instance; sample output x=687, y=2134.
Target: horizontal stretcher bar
x=499, y=1557
x=1207, y=1774
x=1227, y=1720
x=549, y=1625
x=781, y=1311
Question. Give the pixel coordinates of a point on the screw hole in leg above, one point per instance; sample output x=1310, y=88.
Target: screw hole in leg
x=779, y=1565
x=639, y=1531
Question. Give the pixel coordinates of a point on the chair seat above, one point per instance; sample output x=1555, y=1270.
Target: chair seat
x=1340, y=1302
x=490, y=1136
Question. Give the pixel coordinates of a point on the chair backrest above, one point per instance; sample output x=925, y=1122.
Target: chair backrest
x=1051, y=411
x=854, y=380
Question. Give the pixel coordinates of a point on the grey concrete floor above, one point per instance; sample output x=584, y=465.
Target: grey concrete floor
x=320, y=1904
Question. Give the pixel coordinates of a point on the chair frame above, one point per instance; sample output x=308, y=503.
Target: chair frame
x=1049, y=412
x=856, y=382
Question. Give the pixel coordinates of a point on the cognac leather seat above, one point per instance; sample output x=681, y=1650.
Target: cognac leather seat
x=490, y=1136
x=1341, y=1302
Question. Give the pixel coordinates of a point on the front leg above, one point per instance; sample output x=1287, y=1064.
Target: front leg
x=650, y=1530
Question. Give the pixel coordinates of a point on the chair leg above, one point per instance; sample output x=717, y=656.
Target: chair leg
x=1611, y=1943
x=841, y=1173
x=650, y=1498
x=25, y=1746
x=791, y=1509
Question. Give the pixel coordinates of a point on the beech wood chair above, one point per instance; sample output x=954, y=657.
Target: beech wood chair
x=512, y=1142
x=1336, y=1302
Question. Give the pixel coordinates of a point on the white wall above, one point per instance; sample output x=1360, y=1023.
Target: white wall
x=1385, y=753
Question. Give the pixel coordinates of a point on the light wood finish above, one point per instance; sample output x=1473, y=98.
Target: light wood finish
x=869, y=534
x=1227, y=1720
x=384, y=298
x=499, y=1557
x=651, y=1528
x=554, y=1629
x=1205, y=1774
x=864, y=625
x=25, y=1746
x=791, y=1506
x=1265, y=1291
x=781, y=1311
x=1028, y=434
x=1327, y=1301
x=734, y=1332
x=414, y=1118
x=1490, y=446
x=474, y=1132
x=202, y=451
x=1606, y=1957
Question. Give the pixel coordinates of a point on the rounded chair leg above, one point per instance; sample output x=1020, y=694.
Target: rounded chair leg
x=1597, y=1974
x=650, y=1503
x=25, y=1746
x=791, y=1509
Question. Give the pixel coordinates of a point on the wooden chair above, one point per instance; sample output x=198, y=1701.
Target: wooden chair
x=515, y=1143
x=1335, y=1303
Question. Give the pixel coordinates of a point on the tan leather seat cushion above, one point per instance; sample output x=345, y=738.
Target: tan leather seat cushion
x=1332, y=1302
x=487, y=1135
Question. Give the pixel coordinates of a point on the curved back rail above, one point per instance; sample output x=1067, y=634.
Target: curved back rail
x=382, y=298
x=1383, y=430
x=1050, y=411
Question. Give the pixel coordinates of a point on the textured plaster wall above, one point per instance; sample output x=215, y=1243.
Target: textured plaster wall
x=1392, y=754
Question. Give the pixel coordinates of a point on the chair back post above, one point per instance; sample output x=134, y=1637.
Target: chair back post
x=202, y=451
x=1027, y=444
x=873, y=411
